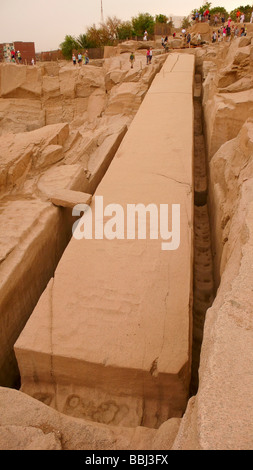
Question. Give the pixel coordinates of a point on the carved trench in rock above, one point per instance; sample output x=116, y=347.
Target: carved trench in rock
x=203, y=275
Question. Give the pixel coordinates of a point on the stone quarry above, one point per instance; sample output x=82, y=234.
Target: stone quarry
x=117, y=344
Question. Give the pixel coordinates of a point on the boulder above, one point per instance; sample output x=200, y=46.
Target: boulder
x=68, y=198
x=125, y=99
x=20, y=82
x=225, y=114
x=20, y=115
x=26, y=153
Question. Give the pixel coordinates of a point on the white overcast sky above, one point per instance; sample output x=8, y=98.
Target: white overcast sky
x=46, y=22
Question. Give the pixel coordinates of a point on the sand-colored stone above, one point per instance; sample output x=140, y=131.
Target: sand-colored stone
x=20, y=82
x=68, y=198
x=220, y=416
x=109, y=292
x=25, y=153
x=54, y=137
x=27, y=424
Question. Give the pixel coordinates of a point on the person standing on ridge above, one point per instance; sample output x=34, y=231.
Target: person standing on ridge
x=188, y=39
x=150, y=55
x=147, y=55
x=132, y=60
x=87, y=60
x=79, y=57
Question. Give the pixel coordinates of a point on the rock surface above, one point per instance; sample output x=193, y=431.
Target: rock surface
x=124, y=291
x=54, y=137
x=27, y=424
x=220, y=415
x=68, y=198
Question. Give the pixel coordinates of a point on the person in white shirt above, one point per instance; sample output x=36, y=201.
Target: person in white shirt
x=150, y=55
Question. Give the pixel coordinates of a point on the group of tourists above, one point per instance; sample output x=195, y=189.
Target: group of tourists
x=229, y=32
x=16, y=57
x=149, y=56
x=81, y=59
x=226, y=32
x=198, y=17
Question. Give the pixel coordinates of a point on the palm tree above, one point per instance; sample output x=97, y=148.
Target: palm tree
x=82, y=41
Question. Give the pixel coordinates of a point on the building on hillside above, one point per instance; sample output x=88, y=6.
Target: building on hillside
x=26, y=49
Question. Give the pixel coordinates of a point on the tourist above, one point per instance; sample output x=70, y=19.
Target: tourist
x=251, y=18
x=214, y=37
x=229, y=22
x=197, y=16
x=199, y=39
x=206, y=15
x=86, y=58
x=223, y=19
x=19, y=57
x=79, y=58
x=188, y=39
x=32, y=62
x=242, y=18
x=148, y=54
x=224, y=33
x=236, y=32
x=215, y=20
x=242, y=32
x=13, y=55
x=132, y=60
x=145, y=38
x=74, y=59
x=165, y=43
x=238, y=14
x=166, y=47
x=162, y=41
x=228, y=33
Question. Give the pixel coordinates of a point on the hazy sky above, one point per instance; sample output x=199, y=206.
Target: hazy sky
x=46, y=22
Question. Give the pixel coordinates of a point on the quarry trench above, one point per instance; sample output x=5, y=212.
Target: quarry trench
x=203, y=280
